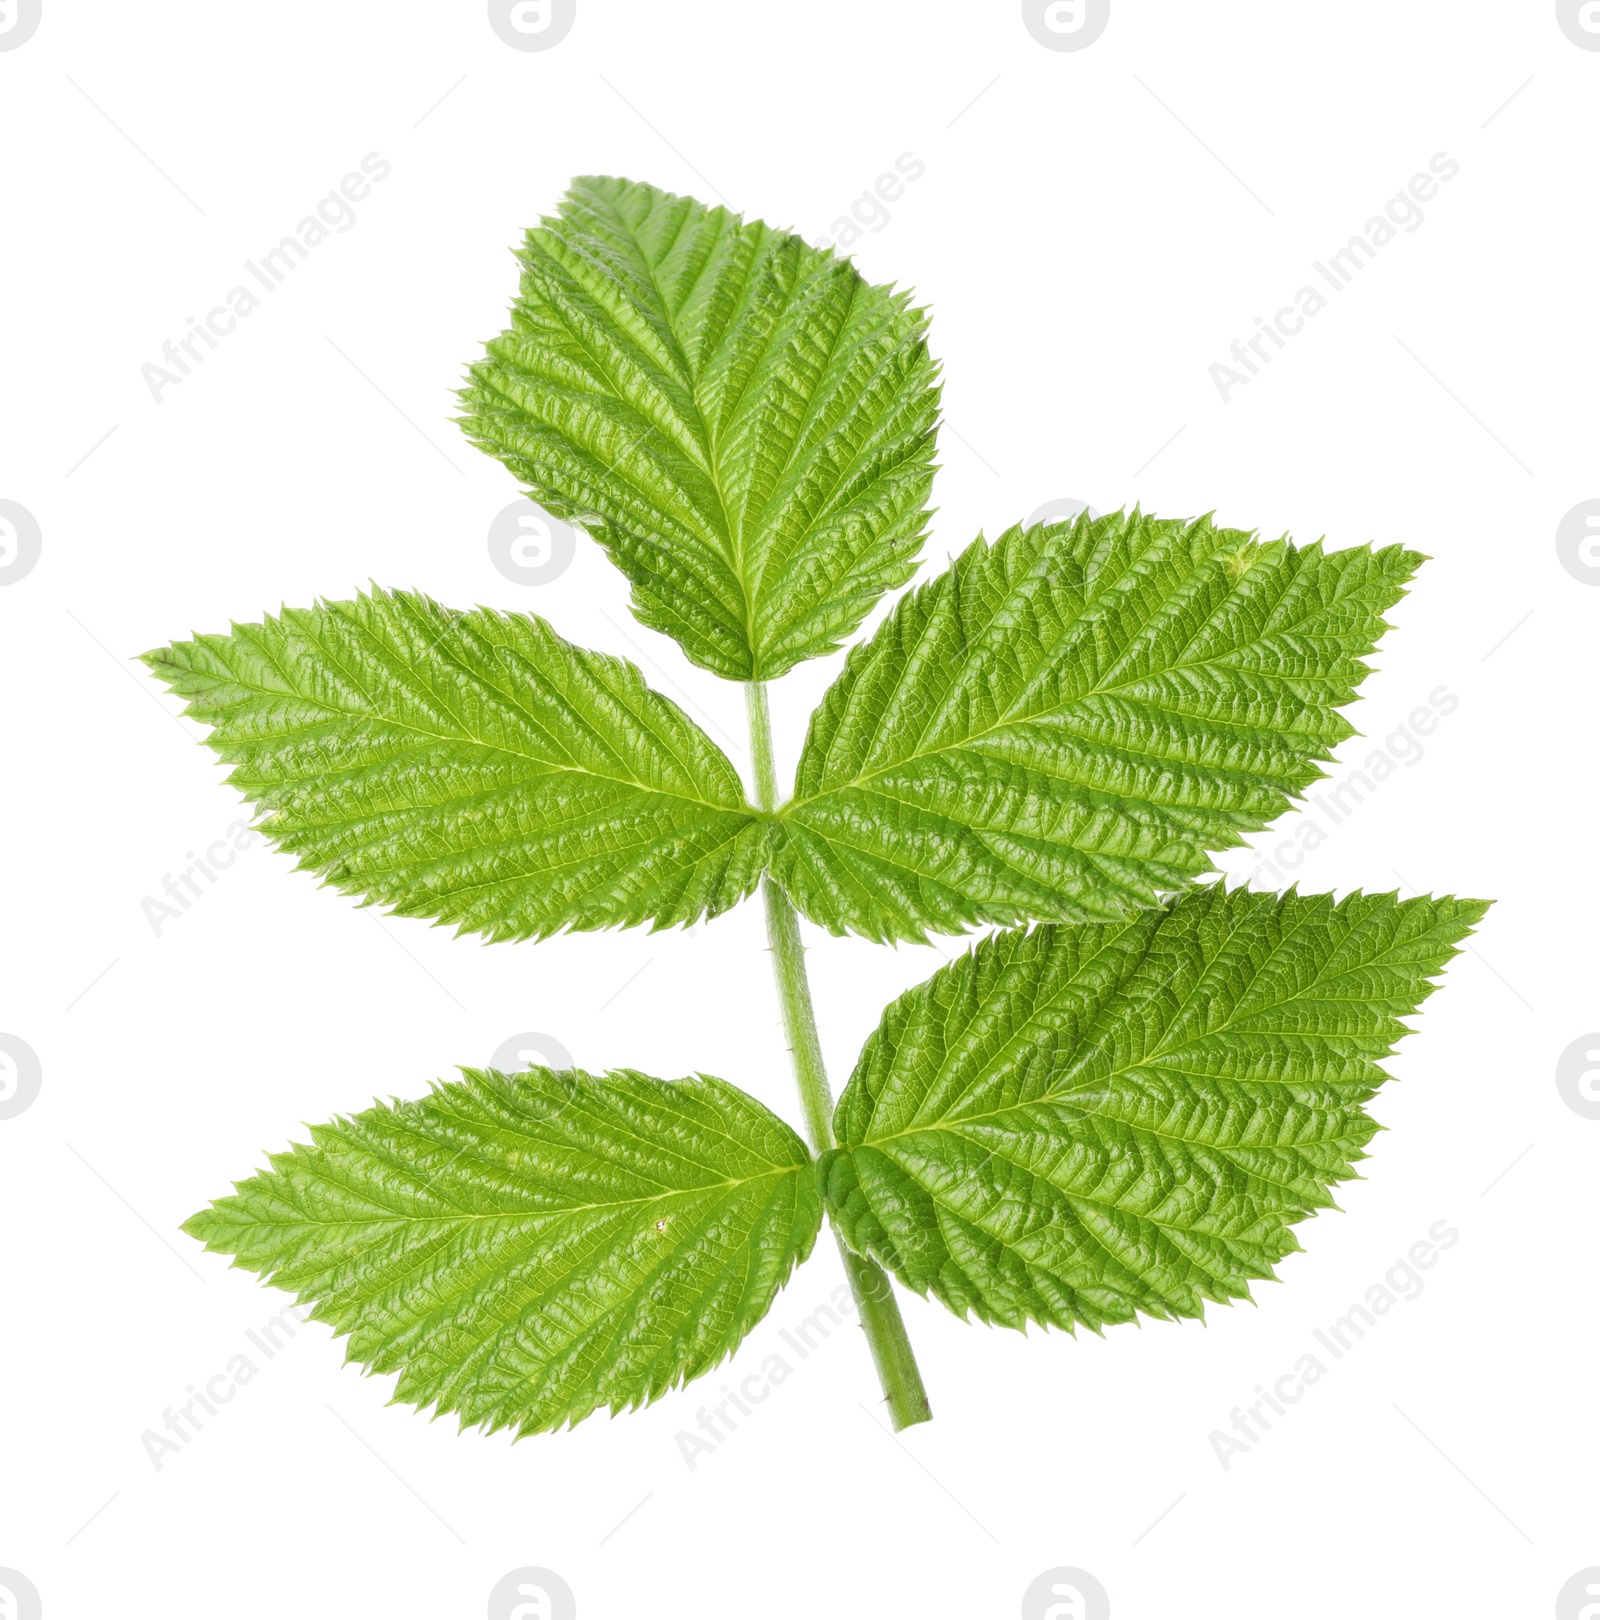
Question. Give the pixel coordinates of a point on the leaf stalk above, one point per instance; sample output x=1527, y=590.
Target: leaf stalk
x=876, y=1305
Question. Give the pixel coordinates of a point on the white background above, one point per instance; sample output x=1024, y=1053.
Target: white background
x=1091, y=234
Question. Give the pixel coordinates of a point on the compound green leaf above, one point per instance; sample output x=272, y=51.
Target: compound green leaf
x=523, y=1249
x=471, y=767
x=740, y=419
x=1080, y=1123
x=1062, y=725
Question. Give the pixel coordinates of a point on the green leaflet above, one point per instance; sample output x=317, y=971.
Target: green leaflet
x=523, y=1249
x=1077, y=1124
x=742, y=422
x=471, y=767
x=1063, y=724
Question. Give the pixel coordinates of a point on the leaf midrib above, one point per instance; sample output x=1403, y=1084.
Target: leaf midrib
x=708, y=449
x=376, y=713
x=683, y=1243
x=949, y=1122
x=746, y=572
x=1016, y=714
x=565, y=1212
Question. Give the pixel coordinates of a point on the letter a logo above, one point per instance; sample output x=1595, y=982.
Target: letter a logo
x=1071, y=1608
x=537, y=1609
x=532, y=1593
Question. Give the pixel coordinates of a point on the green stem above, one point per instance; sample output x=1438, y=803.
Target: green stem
x=880, y=1315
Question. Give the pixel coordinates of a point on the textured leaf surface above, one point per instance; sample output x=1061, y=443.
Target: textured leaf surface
x=742, y=422
x=471, y=767
x=1080, y=1123
x=523, y=1249
x=1064, y=724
